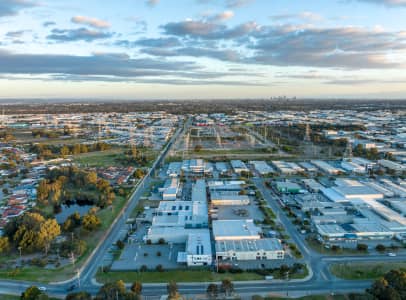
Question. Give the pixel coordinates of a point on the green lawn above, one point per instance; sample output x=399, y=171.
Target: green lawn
x=99, y=158
x=184, y=276
x=359, y=271
x=176, y=275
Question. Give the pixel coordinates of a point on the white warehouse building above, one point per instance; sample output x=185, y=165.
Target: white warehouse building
x=262, y=249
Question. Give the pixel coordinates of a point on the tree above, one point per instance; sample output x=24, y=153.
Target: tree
x=227, y=287
x=79, y=296
x=33, y=293
x=76, y=149
x=362, y=247
x=139, y=173
x=33, y=232
x=65, y=151
x=49, y=230
x=198, y=148
x=120, y=244
x=173, y=291
x=380, y=248
x=390, y=287
x=212, y=291
x=90, y=222
x=4, y=245
x=91, y=178
x=112, y=291
x=136, y=288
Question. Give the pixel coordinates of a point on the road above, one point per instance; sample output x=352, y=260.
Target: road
x=320, y=280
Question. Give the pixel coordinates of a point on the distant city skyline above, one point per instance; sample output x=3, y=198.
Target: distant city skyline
x=191, y=49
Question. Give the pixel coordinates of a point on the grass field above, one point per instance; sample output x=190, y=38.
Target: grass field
x=184, y=276
x=99, y=158
x=359, y=271
x=176, y=275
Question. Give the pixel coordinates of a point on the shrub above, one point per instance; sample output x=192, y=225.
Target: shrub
x=159, y=268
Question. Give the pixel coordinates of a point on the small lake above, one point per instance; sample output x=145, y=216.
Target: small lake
x=67, y=210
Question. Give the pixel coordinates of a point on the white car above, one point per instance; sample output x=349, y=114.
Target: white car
x=42, y=288
x=391, y=254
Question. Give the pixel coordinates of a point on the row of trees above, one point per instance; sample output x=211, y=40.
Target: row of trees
x=118, y=291
x=47, y=151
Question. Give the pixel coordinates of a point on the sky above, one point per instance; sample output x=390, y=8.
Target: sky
x=193, y=49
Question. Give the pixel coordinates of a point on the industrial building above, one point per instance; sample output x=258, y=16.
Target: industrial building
x=196, y=167
x=351, y=190
x=287, y=168
x=235, y=230
x=174, y=169
x=326, y=167
x=174, y=217
x=238, y=166
x=222, y=167
x=228, y=198
x=259, y=249
x=287, y=187
x=391, y=165
x=312, y=185
x=171, y=189
x=353, y=167
x=261, y=167
x=198, y=249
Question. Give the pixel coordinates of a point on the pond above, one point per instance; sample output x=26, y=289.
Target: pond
x=64, y=211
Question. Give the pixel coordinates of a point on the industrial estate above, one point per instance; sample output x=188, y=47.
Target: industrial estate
x=204, y=206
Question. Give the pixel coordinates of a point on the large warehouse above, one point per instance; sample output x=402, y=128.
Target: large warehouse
x=235, y=230
x=228, y=198
x=249, y=249
x=351, y=190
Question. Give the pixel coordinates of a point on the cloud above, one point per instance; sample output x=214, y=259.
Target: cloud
x=305, y=16
x=158, y=42
x=386, y=2
x=111, y=67
x=237, y=3
x=15, y=34
x=12, y=7
x=152, y=2
x=221, y=17
x=219, y=54
x=48, y=24
x=326, y=47
x=103, y=64
x=80, y=34
x=208, y=30
x=93, y=22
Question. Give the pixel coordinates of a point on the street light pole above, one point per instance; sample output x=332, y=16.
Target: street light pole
x=78, y=272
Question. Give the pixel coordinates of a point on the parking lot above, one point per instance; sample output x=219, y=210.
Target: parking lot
x=240, y=212
x=136, y=255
